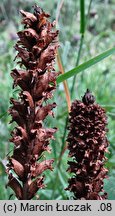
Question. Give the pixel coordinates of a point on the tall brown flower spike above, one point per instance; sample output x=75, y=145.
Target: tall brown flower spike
x=87, y=143
x=36, y=49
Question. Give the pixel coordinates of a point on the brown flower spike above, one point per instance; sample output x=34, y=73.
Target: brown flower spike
x=87, y=144
x=36, y=77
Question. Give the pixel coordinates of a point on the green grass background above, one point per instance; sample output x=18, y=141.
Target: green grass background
x=100, y=79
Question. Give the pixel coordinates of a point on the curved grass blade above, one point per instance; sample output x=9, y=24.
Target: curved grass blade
x=85, y=65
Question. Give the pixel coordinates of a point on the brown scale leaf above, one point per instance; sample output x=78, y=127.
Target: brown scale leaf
x=28, y=38
x=77, y=187
x=44, y=111
x=22, y=78
x=16, y=117
x=47, y=56
x=42, y=85
x=28, y=98
x=34, y=186
x=20, y=154
x=28, y=17
x=18, y=135
x=17, y=167
x=38, y=169
x=46, y=38
x=19, y=106
x=15, y=185
x=42, y=140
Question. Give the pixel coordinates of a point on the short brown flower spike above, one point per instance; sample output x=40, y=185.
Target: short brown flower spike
x=87, y=144
x=36, y=49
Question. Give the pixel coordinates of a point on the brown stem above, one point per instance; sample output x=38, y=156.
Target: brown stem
x=65, y=82
x=25, y=190
x=58, y=11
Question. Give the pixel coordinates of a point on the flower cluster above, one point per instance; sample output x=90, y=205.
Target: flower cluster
x=36, y=51
x=87, y=144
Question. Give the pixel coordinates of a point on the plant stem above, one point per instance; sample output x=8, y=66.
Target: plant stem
x=89, y=8
x=82, y=16
x=59, y=61
x=77, y=63
x=65, y=82
x=83, y=24
x=82, y=30
x=64, y=144
x=59, y=7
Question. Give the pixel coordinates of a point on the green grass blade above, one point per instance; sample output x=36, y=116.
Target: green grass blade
x=3, y=114
x=82, y=16
x=111, y=114
x=85, y=65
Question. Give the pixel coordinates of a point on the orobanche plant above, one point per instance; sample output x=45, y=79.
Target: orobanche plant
x=87, y=144
x=36, y=78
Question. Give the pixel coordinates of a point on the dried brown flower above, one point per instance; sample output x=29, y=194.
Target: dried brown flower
x=36, y=77
x=87, y=144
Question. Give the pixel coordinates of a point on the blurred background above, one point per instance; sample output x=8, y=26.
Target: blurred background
x=100, y=79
